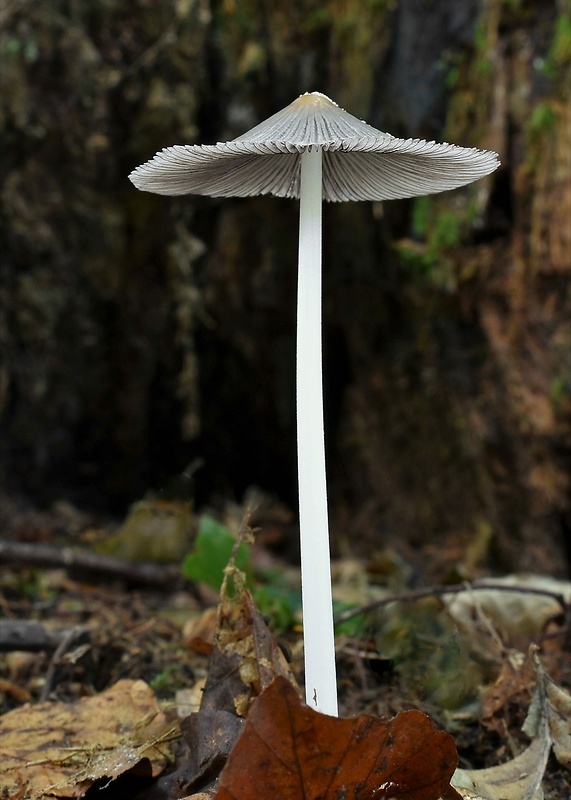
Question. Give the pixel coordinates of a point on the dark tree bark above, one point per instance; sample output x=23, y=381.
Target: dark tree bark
x=142, y=332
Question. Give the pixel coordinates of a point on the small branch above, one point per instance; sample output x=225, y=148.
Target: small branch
x=57, y=658
x=437, y=591
x=32, y=636
x=165, y=577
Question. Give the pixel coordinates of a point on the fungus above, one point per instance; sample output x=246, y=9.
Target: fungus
x=313, y=150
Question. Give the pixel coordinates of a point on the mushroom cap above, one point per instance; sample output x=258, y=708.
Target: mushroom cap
x=359, y=161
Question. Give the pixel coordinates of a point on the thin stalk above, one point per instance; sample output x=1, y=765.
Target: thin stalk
x=317, y=605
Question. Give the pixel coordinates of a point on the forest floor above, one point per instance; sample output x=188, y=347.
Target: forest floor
x=106, y=652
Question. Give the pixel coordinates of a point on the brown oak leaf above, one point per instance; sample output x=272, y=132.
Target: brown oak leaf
x=288, y=751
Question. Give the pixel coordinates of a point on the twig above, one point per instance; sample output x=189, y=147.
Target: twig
x=437, y=591
x=57, y=658
x=31, y=636
x=165, y=577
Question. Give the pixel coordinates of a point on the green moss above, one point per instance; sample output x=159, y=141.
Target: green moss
x=447, y=231
x=560, y=50
x=542, y=119
x=513, y=5
x=433, y=659
x=484, y=66
x=479, y=38
x=12, y=47
x=559, y=53
x=414, y=257
x=164, y=679
x=28, y=51
x=442, y=229
x=483, y=44
x=169, y=679
x=421, y=215
x=540, y=125
x=559, y=393
x=436, y=231
x=318, y=19
x=453, y=76
x=348, y=23
x=239, y=14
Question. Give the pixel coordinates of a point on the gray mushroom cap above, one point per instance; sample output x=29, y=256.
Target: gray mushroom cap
x=359, y=161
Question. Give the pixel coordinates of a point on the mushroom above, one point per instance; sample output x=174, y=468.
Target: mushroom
x=314, y=150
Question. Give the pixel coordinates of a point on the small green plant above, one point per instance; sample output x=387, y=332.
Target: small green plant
x=212, y=550
x=272, y=591
x=166, y=680
x=280, y=605
x=357, y=627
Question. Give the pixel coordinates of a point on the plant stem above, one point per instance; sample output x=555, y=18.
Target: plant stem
x=317, y=605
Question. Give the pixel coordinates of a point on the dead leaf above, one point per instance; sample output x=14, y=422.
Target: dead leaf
x=550, y=713
x=60, y=749
x=207, y=795
x=211, y=736
x=198, y=632
x=245, y=660
x=516, y=614
x=549, y=724
x=518, y=779
x=155, y=530
x=246, y=657
x=188, y=700
x=510, y=694
x=288, y=751
x=13, y=690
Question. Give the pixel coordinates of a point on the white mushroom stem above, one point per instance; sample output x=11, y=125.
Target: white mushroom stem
x=318, y=635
